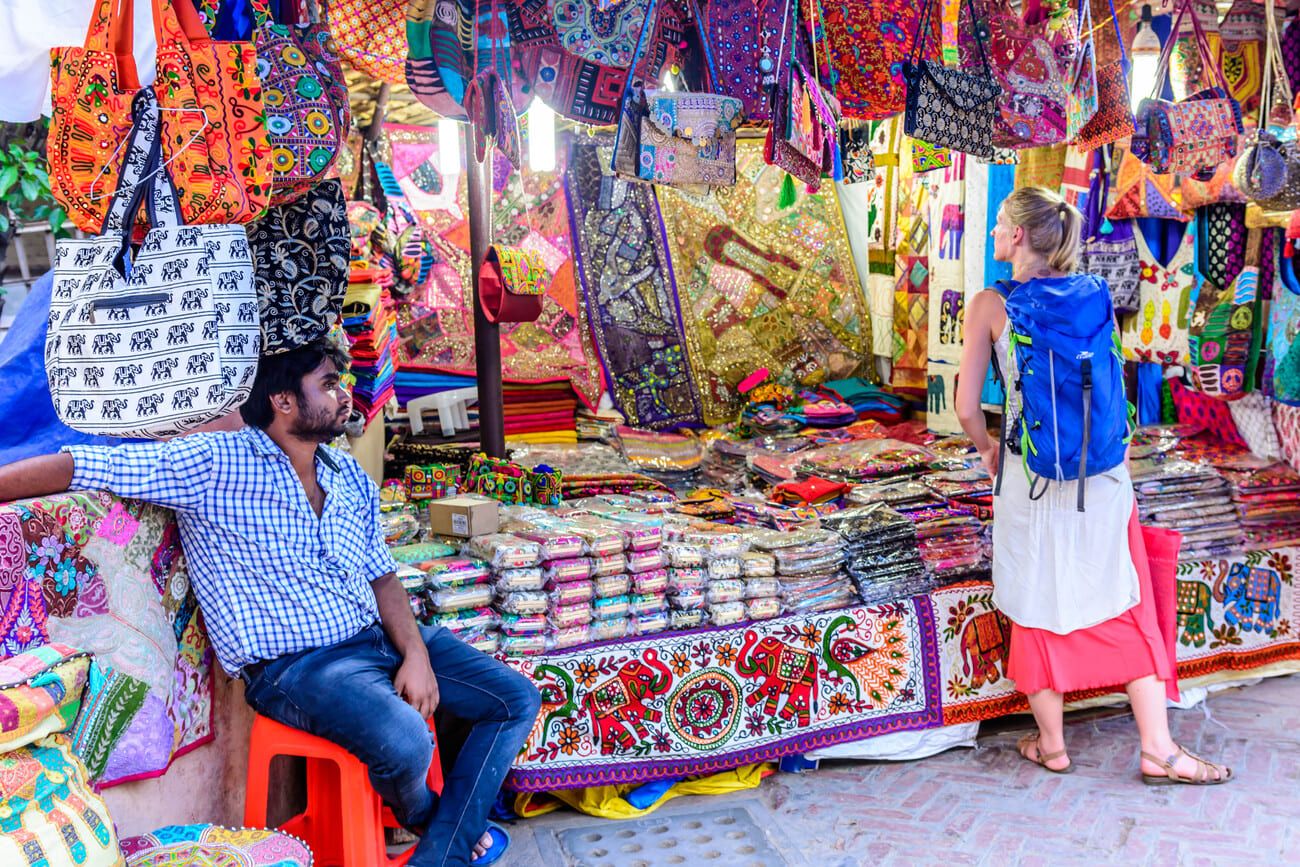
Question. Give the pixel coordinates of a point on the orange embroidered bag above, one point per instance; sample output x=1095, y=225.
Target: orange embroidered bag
x=215, y=145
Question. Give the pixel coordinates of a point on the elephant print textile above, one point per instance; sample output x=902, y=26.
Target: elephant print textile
x=984, y=642
x=1251, y=597
x=617, y=706
x=787, y=677
x=1193, y=613
x=951, y=312
x=951, y=230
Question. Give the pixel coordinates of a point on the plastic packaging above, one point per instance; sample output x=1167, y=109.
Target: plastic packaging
x=687, y=618
x=524, y=602
x=419, y=607
x=682, y=555
x=687, y=599
x=570, y=592
x=649, y=623
x=529, y=578
x=554, y=544
x=763, y=609
x=647, y=603
x=399, y=524
x=486, y=642
x=638, y=535
x=573, y=569
x=413, y=580
x=460, y=598
x=571, y=636
x=655, y=581
x=609, y=564
x=717, y=544
x=566, y=616
x=523, y=645
x=757, y=588
x=415, y=554
x=727, y=613
x=646, y=561
x=608, y=629
x=611, y=585
x=614, y=606
x=599, y=539
x=455, y=572
x=732, y=590
x=757, y=564
x=687, y=579
x=504, y=551
x=467, y=619
x=523, y=624
x=723, y=568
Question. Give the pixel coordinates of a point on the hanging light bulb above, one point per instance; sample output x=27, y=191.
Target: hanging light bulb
x=1145, y=56
x=541, y=137
x=448, y=147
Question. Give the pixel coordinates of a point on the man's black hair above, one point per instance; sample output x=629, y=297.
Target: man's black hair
x=284, y=372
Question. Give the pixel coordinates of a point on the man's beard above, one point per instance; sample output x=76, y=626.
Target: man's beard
x=321, y=426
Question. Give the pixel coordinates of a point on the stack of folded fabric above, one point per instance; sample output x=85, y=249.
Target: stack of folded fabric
x=952, y=541
x=413, y=382
x=541, y=413
x=371, y=326
x=673, y=459
x=868, y=400
x=810, y=566
x=883, y=558
x=867, y=459
x=1192, y=498
x=599, y=424
x=448, y=590
x=1267, y=495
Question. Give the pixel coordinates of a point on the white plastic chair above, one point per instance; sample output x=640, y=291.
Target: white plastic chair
x=452, y=407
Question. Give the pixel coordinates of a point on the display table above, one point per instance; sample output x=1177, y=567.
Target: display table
x=697, y=702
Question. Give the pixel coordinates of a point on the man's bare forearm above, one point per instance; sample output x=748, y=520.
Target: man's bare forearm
x=395, y=614
x=35, y=477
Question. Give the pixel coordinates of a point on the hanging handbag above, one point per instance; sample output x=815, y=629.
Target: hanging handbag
x=213, y=139
x=437, y=62
x=1113, y=120
x=371, y=36
x=1108, y=248
x=1034, y=63
x=676, y=137
x=951, y=108
x=1270, y=170
x=1081, y=100
x=156, y=343
x=866, y=43
x=1226, y=331
x=1140, y=192
x=300, y=267
x=512, y=284
x=802, y=138
x=1192, y=136
x=489, y=108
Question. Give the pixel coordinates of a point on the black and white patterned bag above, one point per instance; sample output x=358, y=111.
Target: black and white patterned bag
x=157, y=343
x=949, y=107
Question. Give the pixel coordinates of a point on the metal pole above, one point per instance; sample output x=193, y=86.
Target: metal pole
x=487, y=335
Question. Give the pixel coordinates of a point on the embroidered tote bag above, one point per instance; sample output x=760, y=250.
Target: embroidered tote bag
x=153, y=344
x=371, y=36
x=866, y=44
x=1226, y=335
x=214, y=142
x=1036, y=65
x=1112, y=120
x=1158, y=331
x=1108, y=249
x=1081, y=99
x=802, y=137
x=952, y=108
x=1140, y=192
x=1193, y=136
x=512, y=284
x=437, y=62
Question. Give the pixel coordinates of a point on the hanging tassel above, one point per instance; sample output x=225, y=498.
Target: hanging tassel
x=787, y=197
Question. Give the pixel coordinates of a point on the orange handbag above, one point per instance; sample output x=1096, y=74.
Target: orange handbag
x=215, y=146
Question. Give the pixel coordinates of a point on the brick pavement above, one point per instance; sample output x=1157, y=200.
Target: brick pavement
x=988, y=806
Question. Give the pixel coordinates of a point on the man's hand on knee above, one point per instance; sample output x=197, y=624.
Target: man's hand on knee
x=416, y=684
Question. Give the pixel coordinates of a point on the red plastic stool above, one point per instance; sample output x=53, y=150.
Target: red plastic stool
x=345, y=818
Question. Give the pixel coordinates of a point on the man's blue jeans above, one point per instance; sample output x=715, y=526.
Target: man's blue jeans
x=344, y=693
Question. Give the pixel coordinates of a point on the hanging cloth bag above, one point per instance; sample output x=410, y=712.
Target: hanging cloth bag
x=951, y=108
x=160, y=342
x=1108, y=248
x=1113, y=120
x=1270, y=170
x=1191, y=136
x=214, y=142
x=676, y=137
x=1082, y=98
x=1226, y=333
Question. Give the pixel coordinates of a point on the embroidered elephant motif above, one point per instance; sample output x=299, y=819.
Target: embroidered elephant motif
x=951, y=310
x=787, y=675
x=984, y=641
x=951, y=229
x=1193, y=612
x=1251, y=597
x=936, y=394
x=617, y=706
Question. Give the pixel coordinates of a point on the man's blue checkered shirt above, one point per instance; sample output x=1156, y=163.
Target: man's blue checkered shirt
x=270, y=576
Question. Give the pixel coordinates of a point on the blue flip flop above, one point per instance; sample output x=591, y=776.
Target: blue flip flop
x=500, y=843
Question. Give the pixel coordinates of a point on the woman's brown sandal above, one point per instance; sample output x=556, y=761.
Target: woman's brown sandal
x=1204, y=775
x=1031, y=740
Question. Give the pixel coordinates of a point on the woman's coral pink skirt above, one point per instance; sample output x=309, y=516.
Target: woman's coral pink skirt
x=1133, y=645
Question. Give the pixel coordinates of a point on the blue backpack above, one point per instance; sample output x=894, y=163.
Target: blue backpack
x=1075, y=417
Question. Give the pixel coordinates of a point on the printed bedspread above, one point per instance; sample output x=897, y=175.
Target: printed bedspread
x=108, y=576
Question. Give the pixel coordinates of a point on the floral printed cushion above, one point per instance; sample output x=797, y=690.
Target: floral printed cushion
x=215, y=846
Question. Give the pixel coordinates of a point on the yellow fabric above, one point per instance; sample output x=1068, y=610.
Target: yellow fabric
x=607, y=802
x=1041, y=167
x=544, y=438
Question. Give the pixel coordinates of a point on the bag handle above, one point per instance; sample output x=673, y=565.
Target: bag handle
x=1119, y=37
x=1274, y=73
x=651, y=16
x=1202, y=44
x=922, y=37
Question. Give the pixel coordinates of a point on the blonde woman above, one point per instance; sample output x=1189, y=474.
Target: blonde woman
x=1082, y=613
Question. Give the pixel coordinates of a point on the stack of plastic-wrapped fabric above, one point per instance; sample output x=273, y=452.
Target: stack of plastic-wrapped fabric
x=883, y=559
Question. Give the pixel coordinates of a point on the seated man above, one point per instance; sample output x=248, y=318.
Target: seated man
x=299, y=596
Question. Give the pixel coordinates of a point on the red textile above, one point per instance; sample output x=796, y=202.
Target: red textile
x=1132, y=645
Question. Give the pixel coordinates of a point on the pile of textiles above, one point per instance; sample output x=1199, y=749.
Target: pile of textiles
x=953, y=541
x=715, y=577
x=673, y=459
x=1267, y=495
x=574, y=459
x=413, y=382
x=1193, y=499
x=869, y=401
x=450, y=590
x=727, y=464
x=883, y=559
x=600, y=424
x=541, y=413
x=371, y=327
x=810, y=566
x=862, y=460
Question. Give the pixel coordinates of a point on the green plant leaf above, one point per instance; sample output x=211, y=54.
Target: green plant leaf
x=30, y=188
x=16, y=150
x=58, y=217
x=8, y=177
x=4, y=224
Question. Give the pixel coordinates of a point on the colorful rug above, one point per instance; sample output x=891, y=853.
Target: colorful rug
x=630, y=292
x=763, y=286
x=696, y=702
x=108, y=576
x=437, y=331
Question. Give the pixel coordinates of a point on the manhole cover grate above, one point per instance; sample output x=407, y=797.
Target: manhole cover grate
x=722, y=837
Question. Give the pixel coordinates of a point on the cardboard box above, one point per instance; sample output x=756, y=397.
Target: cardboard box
x=465, y=516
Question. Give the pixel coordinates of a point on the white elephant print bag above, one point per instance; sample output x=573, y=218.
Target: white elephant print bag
x=157, y=343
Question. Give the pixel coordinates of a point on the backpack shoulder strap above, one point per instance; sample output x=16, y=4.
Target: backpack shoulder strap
x=1004, y=288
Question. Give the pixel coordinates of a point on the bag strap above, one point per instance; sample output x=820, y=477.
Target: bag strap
x=1119, y=37
x=702, y=29
x=651, y=18
x=1274, y=72
x=1202, y=44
